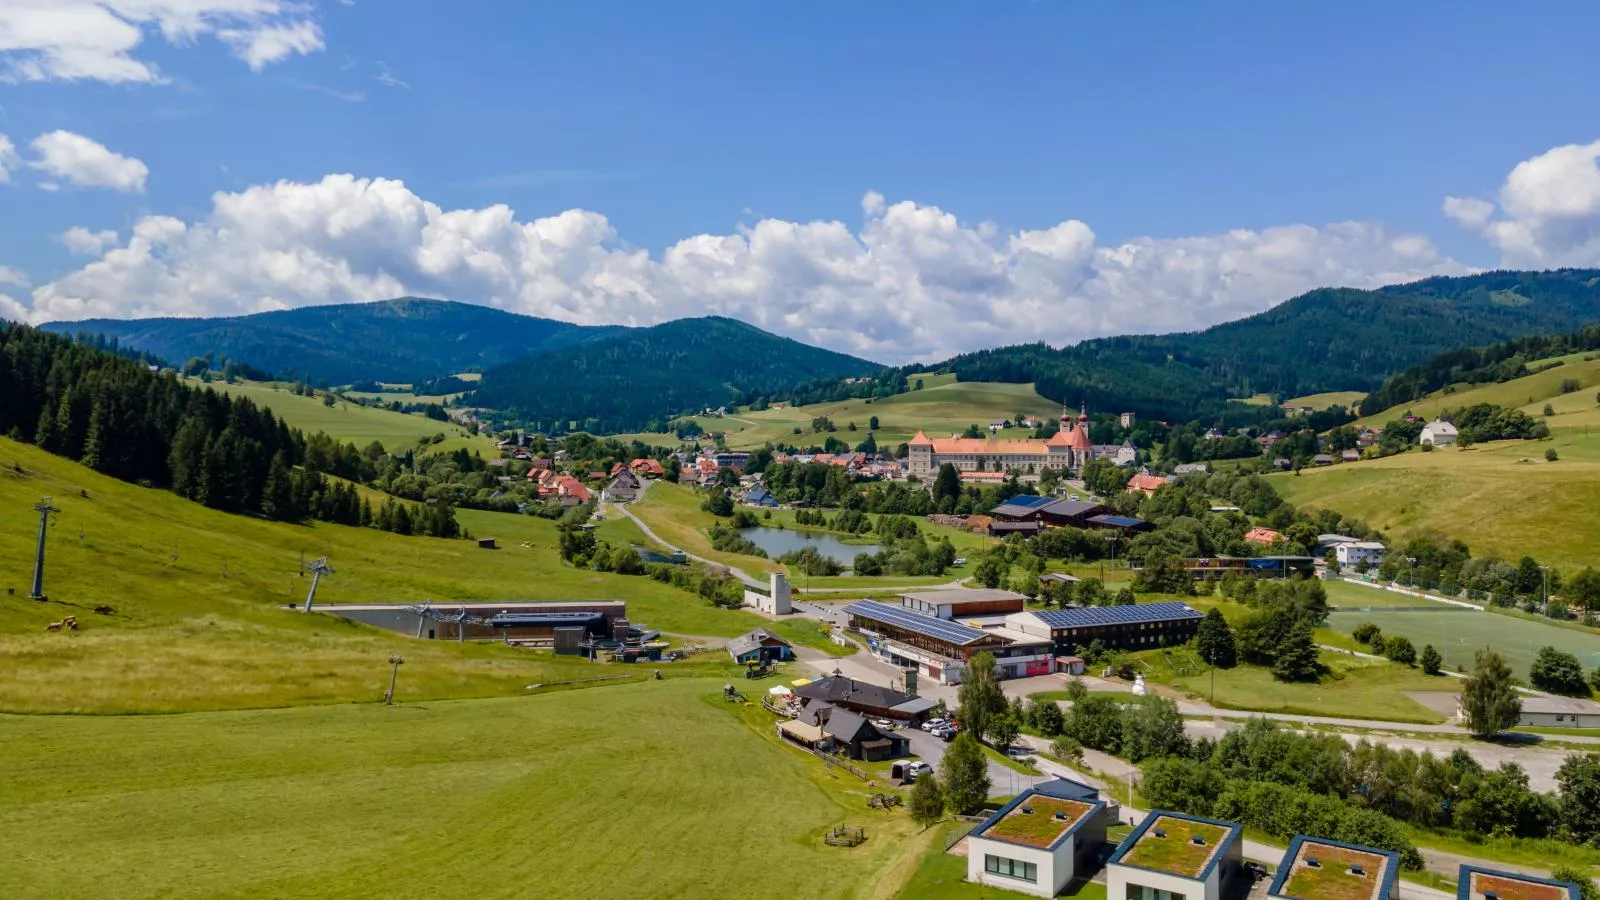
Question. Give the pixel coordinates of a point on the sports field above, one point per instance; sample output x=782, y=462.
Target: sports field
x=658, y=789
x=359, y=425
x=198, y=598
x=1503, y=499
x=1459, y=633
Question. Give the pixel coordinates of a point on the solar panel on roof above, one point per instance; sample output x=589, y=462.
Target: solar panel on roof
x=1123, y=521
x=1029, y=501
x=899, y=617
x=1117, y=615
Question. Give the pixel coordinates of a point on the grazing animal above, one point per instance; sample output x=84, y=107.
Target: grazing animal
x=71, y=622
x=53, y=626
x=103, y=610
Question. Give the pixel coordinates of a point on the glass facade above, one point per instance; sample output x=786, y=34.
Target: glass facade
x=1011, y=868
x=1140, y=892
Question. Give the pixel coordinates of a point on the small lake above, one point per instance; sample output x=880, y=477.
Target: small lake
x=778, y=541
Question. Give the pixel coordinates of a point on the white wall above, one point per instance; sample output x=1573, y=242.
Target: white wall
x=1054, y=869
x=1118, y=877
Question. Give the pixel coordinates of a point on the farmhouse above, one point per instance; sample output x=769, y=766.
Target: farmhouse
x=1070, y=448
x=624, y=487
x=1039, y=841
x=1319, y=869
x=1174, y=855
x=1475, y=883
x=941, y=648
x=859, y=696
x=859, y=739
x=1354, y=553
x=1263, y=536
x=1438, y=433
x=760, y=645
x=1140, y=627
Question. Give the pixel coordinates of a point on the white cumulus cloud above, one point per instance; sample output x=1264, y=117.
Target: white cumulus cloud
x=84, y=242
x=1548, y=212
x=87, y=163
x=13, y=277
x=905, y=281
x=8, y=158
x=98, y=40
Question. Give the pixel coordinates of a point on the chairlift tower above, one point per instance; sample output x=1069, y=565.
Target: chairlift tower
x=318, y=568
x=44, y=508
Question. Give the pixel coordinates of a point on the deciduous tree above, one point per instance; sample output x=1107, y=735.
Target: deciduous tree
x=927, y=801
x=1558, y=673
x=1487, y=698
x=966, y=775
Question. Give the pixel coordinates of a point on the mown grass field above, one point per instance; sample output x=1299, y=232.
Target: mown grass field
x=942, y=876
x=943, y=407
x=673, y=512
x=359, y=425
x=1528, y=393
x=657, y=789
x=198, y=595
x=1502, y=498
x=1459, y=633
x=1326, y=399
x=1356, y=689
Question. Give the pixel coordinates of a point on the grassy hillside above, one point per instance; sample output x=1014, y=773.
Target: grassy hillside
x=944, y=406
x=198, y=595
x=1326, y=399
x=360, y=425
x=1529, y=393
x=1501, y=498
x=658, y=790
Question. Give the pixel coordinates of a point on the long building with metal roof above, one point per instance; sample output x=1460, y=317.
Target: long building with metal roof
x=1141, y=626
x=941, y=648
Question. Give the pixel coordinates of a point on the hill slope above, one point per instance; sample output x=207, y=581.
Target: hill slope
x=1336, y=339
x=632, y=379
x=403, y=340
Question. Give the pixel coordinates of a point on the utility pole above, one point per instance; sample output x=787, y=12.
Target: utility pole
x=318, y=569
x=44, y=508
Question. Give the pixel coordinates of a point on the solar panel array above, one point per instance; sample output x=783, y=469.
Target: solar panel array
x=1120, y=521
x=1117, y=615
x=938, y=629
x=1028, y=501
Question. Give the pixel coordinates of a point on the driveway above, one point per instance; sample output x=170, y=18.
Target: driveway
x=1002, y=780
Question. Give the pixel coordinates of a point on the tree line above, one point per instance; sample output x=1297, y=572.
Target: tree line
x=116, y=416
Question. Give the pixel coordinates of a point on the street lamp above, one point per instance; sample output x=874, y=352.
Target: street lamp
x=395, y=662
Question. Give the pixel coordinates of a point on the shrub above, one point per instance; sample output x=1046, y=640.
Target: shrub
x=1551, y=455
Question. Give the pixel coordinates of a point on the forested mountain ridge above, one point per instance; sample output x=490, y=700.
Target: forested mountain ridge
x=404, y=340
x=641, y=377
x=1324, y=340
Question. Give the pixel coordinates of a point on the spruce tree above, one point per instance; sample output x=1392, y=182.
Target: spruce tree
x=1431, y=660
x=1296, y=659
x=1487, y=698
x=1214, y=640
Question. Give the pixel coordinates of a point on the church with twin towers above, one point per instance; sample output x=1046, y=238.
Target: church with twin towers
x=1069, y=449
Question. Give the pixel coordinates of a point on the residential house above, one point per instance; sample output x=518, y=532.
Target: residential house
x=647, y=468
x=1213, y=434
x=1326, y=542
x=1438, y=433
x=1319, y=869
x=1283, y=463
x=1146, y=483
x=1040, y=841
x=571, y=491
x=864, y=697
x=1263, y=536
x=1354, y=553
x=1322, y=459
x=759, y=645
x=1477, y=883
x=1350, y=456
x=624, y=487
x=1173, y=855
x=758, y=495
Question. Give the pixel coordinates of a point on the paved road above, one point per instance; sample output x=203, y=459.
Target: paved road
x=738, y=573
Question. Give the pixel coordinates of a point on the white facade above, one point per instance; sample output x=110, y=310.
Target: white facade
x=779, y=599
x=1128, y=882
x=1354, y=552
x=1003, y=864
x=1438, y=433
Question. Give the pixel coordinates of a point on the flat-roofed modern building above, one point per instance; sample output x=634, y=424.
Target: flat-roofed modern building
x=1475, y=883
x=1039, y=842
x=1173, y=856
x=1138, y=627
x=966, y=602
x=1319, y=869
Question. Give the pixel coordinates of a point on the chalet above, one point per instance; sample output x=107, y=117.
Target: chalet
x=1322, y=459
x=758, y=495
x=1350, y=456
x=863, y=697
x=647, y=468
x=759, y=645
x=859, y=739
x=1146, y=484
x=624, y=487
x=1263, y=536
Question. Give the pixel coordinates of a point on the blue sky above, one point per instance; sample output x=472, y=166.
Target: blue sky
x=760, y=130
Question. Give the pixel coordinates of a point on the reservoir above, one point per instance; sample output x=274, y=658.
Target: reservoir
x=778, y=541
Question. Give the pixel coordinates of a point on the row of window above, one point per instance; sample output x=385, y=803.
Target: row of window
x=1140, y=892
x=1011, y=868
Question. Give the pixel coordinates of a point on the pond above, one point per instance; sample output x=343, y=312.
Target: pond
x=778, y=541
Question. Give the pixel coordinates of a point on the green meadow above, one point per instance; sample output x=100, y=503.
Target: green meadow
x=360, y=425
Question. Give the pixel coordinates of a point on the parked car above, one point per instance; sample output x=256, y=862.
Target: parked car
x=945, y=733
x=959, y=561
x=919, y=768
x=1257, y=870
x=883, y=723
x=932, y=724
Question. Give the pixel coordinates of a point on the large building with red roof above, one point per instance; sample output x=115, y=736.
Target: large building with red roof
x=1070, y=448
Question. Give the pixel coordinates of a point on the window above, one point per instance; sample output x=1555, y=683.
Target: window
x=1011, y=868
x=1140, y=892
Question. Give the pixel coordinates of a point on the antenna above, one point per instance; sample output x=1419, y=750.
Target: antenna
x=44, y=508
x=318, y=567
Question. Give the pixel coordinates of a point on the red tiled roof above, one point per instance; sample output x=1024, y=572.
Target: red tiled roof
x=1260, y=535
x=1147, y=483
